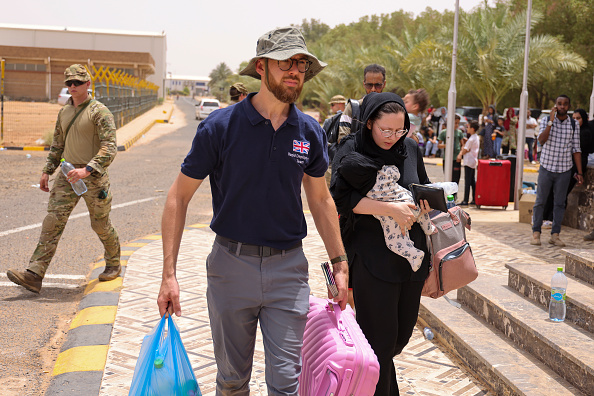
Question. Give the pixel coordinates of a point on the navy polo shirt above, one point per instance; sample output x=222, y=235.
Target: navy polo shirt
x=256, y=172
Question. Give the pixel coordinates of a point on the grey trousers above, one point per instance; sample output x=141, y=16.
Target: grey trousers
x=243, y=290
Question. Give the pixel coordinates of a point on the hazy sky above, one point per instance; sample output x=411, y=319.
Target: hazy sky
x=203, y=33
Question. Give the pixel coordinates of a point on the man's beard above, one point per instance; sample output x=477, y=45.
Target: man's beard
x=283, y=93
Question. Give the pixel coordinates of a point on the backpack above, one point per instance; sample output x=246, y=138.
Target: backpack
x=331, y=127
x=452, y=264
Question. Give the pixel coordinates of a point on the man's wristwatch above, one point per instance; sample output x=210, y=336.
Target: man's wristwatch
x=338, y=259
x=89, y=169
x=550, y=123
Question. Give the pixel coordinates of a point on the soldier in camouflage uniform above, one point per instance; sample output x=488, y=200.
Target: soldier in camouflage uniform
x=238, y=92
x=85, y=136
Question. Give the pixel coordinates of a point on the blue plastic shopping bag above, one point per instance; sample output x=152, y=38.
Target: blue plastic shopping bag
x=163, y=367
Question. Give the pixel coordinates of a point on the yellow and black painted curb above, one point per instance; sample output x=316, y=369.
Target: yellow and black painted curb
x=79, y=368
x=144, y=130
x=26, y=148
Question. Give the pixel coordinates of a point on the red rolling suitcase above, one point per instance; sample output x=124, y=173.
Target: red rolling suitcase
x=493, y=183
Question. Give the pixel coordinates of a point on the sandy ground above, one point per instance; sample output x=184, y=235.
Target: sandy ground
x=24, y=123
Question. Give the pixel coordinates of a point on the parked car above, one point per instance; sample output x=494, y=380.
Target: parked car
x=205, y=107
x=469, y=112
x=64, y=95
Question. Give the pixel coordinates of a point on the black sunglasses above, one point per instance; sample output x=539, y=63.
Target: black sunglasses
x=376, y=85
x=76, y=83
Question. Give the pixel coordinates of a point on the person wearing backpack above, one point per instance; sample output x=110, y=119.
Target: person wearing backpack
x=560, y=150
x=374, y=80
x=337, y=105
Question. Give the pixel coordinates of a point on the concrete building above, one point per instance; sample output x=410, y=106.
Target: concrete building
x=198, y=85
x=36, y=56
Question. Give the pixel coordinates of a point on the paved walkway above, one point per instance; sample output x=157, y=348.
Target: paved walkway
x=422, y=368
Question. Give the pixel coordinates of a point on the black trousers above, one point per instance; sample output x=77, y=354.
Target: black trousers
x=387, y=313
x=469, y=182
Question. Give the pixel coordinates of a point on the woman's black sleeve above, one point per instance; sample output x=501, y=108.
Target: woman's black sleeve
x=421, y=171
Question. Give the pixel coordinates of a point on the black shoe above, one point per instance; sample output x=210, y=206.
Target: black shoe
x=463, y=203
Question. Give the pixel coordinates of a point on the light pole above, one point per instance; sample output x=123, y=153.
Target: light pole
x=448, y=157
x=592, y=102
x=523, y=114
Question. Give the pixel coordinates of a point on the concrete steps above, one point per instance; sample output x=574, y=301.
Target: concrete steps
x=493, y=358
x=566, y=349
x=534, y=282
x=503, y=335
x=580, y=264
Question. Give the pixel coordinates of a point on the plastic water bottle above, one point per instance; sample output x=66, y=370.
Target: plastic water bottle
x=162, y=381
x=557, y=306
x=451, y=203
x=449, y=188
x=428, y=333
x=79, y=187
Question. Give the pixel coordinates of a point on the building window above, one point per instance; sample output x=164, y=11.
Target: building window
x=25, y=67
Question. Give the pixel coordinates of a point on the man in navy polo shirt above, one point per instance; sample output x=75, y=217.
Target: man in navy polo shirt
x=257, y=153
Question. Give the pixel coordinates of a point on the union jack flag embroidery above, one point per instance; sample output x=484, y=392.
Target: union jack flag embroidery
x=300, y=147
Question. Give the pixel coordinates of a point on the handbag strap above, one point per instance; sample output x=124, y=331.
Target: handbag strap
x=75, y=117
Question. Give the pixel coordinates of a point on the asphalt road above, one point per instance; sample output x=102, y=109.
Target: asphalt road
x=33, y=326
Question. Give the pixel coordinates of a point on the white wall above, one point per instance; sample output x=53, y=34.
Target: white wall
x=99, y=40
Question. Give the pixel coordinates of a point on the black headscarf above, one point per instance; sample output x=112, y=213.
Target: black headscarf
x=364, y=142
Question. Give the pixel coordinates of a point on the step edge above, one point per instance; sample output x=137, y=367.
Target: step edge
x=578, y=332
x=526, y=359
x=584, y=289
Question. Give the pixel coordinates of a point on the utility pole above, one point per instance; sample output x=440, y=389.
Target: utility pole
x=448, y=158
x=523, y=114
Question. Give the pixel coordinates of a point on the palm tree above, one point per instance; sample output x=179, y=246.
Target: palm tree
x=491, y=54
x=218, y=80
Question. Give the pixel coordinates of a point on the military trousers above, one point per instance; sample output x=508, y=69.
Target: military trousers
x=62, y=201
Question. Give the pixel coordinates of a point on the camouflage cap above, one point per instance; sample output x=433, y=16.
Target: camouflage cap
x=240, y=88
x=281, y=44
x=76, y=72
x=337, y=99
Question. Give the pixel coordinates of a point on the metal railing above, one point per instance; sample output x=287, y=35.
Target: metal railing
x=27, y=122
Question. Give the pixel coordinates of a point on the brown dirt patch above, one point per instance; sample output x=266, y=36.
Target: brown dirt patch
x=25, y=123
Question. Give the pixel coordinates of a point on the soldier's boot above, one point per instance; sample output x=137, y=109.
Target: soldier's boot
x=28, y=279
x=110, y=273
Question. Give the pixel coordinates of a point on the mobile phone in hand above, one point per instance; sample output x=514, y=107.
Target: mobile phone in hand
x=330, y=282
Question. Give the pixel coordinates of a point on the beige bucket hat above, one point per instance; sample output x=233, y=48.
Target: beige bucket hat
x=281, y=44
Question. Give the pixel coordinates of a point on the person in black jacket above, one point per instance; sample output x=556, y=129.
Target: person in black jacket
x=387, y=291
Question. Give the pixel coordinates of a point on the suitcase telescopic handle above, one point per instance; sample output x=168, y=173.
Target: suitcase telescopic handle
x=495, y=163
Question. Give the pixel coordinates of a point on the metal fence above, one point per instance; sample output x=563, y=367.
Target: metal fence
x=28, y=118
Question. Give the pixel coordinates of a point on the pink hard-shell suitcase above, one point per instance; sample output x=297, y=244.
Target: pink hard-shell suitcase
x=337, y=359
